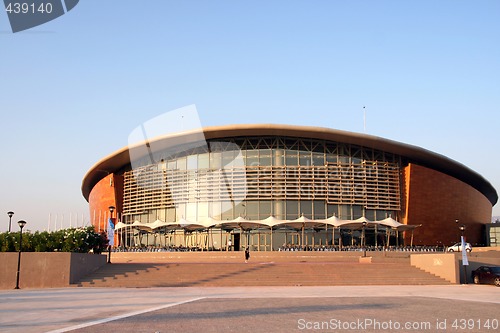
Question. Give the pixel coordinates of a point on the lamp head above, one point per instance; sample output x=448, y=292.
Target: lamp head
x=21, y=223
x=462, y=227
x=10, y=214
x=456, y=221
x=111, y=209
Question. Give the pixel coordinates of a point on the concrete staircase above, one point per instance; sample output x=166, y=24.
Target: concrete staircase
x=266, y=270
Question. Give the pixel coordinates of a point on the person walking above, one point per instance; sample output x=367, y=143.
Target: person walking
x=247, y=254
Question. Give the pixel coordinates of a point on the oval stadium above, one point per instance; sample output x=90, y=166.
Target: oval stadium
x=280, y=187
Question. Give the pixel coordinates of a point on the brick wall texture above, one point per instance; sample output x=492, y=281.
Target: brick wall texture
x=107, y=192
x=436, y=200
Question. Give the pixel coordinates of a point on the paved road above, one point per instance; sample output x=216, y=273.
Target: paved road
x=455, y=308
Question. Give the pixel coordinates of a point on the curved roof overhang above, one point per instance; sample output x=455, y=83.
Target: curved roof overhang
x=121, y=158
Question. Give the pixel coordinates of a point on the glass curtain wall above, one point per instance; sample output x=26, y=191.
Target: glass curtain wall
x=256, y=177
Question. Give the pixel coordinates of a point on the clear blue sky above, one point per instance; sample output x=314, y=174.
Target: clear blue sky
x=73, y=89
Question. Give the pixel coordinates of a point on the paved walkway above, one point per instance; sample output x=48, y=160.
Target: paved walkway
x=455, y=308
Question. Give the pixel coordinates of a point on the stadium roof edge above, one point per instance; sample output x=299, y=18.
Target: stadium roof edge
x=415, y=154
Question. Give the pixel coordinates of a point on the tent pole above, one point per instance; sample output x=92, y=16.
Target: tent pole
x=220, y=244
x=340, y=239
x=271, y=239
x=302, y=240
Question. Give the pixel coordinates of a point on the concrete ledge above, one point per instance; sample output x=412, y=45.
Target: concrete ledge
x=47, y=269
x=365, y=260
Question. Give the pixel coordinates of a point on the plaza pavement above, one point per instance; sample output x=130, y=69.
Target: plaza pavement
x=438, y=308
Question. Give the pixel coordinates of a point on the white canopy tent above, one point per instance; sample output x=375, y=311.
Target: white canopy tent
x=244, y=225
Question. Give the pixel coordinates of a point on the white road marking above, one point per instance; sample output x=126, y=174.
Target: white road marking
x=125, y=315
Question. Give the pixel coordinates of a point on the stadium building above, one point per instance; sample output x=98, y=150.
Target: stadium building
x=272, y=187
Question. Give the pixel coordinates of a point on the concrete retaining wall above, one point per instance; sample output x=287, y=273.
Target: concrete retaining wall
x=47, y=269
x=449, y=265
x=441, y=264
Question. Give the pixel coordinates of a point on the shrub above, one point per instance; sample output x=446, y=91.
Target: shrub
x=81, y=240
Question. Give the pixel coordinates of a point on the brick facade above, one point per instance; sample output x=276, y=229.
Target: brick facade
x=107, y=192
x=436, y=200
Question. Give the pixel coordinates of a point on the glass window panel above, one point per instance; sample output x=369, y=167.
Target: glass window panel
x=344, y=159
x=161, y=214
x=381, y=214
x=215, y=160
x=305, y=158
x=203, y=161
x=252, y=161
x=191, y=211
x=306, y=209
x=264, y=209
x=240, y=209
x=345, y=212
x=227, y=214
x=192, y=162
x=291, y=157
x=265, y=160
x=370, y=214
x=172, y=165
x=182, y=163
x=202, y=211
x=333, y=210
x=318, y=159
x=228, y=158
x=170, y=215
x=152, y=216
x=252, y=153
x=292, y=209
x=215, y=210
x=252, y=209
x=266, y=152
x=357, y=212
x=319, y=209
x=331, y=158
x=180, y=212
x=252, y=158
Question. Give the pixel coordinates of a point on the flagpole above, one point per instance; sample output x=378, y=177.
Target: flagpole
x=364, y=118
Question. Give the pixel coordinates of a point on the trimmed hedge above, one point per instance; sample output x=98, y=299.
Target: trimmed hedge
x=80, y=240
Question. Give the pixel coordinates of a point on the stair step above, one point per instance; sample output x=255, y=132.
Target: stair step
x=240, y=274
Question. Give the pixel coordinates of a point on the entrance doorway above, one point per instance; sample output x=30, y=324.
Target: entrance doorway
x=236, y=242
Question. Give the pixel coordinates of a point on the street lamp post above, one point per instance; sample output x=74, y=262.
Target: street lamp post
x=462, y=245
x=111, y=210
x=456, y=223
x=10, y=219
x=21, y=225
